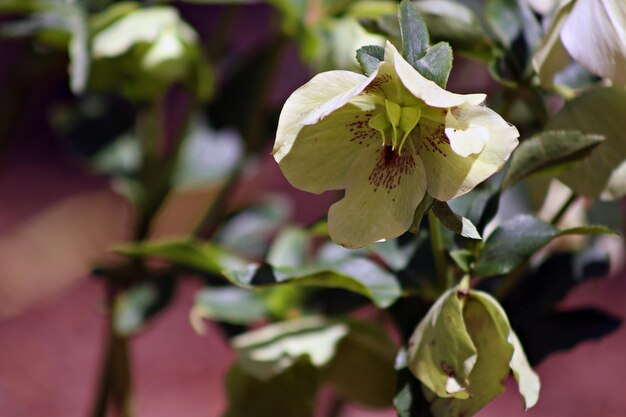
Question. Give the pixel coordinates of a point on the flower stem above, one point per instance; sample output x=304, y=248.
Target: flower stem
x=564, y=208
x=438, y=250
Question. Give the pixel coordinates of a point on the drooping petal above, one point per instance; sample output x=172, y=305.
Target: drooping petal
x=337, y=101
x=465, y=131
x=423, y=88
x=595, y=36
x=552, y=57
x=382, y=192
x=321, y=89
x=321, y=155
x=451, y=175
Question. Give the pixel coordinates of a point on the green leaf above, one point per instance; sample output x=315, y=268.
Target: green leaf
x=414, y=33
x=397, y=257
x=510, y=18
x=227, y=304
x=409, y=400
x=369, y=57
x=597, y=111
x=202, y=256
x=289, y=248
x=456, y=23
x=436, y=64
x=270, y=350
x=516, y=240
x=358, y=275
x=441, y=353
x=134, y=307
x=549, y=149
x=363, y=367
x=454, y=222
x=463, y=258
x=485, y=381
x=355, y=274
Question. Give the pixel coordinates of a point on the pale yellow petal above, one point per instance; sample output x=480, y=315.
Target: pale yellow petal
x=322, y=88
x=451, y=175
x=320, y=157
x=382, y=193
x=423, y=88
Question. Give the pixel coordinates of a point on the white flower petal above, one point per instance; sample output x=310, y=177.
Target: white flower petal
x=467, y=136
x=552, y=57
x=595, y=36
x=321, y=155
x=322, y=88
x=337, y=101
x=382, y=192
x=423, y=88
x=451, y=175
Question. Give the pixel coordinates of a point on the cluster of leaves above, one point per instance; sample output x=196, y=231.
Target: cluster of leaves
x=457, y=344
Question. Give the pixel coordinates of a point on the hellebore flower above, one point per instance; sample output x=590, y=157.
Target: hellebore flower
x=387, y=139
x=592, y=32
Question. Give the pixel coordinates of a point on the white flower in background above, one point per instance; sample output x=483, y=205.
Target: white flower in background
x=387, y=139
x=592, y=32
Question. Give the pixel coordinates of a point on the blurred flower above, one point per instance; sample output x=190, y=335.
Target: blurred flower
x=592, y=32
x=142, y=51
x=331, y=130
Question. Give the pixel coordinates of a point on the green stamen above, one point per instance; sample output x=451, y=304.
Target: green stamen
x=400, y=120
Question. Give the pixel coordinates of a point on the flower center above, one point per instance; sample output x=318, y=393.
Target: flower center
x=395, y=123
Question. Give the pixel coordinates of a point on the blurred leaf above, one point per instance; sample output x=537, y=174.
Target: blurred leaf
x=455, y=23
x=517, y=239
x=363, y=367
x=120, y=158
x=549, y=149
x=409, y=400
x=414, y=33
x=358, y=275
x=290, y=394
x=203, y=256
x=136, y=306
x=453, y=222
x=355, y=274
x=394, y=254
x=479, y=206
x=272, y=349
x=510, y=18
x=597, y=111
x=369, y=57
x=249, y=231
x=227, y=304
x=289, y=248
x=463, y=258
x=206, y=156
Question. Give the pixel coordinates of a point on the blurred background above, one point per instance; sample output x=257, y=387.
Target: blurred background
x=67, y=198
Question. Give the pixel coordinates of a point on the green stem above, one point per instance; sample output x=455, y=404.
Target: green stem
x=115, y=389
x=564, y=208
x=438, y=250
